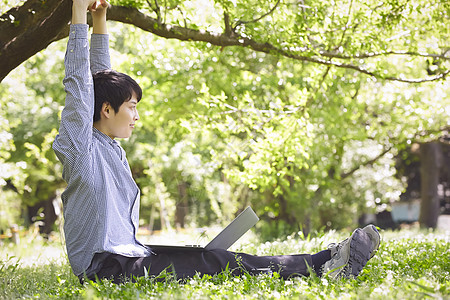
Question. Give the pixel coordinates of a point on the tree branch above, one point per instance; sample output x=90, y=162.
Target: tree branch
x=240, y=22
x=332, y=54
x=367, y=163
x=156, y=9
x=443, y=130
x=134, y=17
x=348, y=21
x=28, y=29
x=226, y=20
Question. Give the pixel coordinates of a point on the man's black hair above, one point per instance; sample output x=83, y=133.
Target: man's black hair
x=114, y=88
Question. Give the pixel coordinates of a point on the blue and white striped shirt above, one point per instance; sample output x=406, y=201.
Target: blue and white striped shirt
x=101, y=201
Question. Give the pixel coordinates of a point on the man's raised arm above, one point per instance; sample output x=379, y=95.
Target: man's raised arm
x=100, y=59
x=75, y=132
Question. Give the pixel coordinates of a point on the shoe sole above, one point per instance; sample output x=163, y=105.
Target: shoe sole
x=374, y=236
x=360, y=251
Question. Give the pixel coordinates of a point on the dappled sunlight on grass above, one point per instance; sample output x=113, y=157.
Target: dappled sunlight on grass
x=409, y=264
x=34, y=250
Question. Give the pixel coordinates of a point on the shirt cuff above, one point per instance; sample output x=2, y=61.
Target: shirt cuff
x=99, y=41
x=78, y=31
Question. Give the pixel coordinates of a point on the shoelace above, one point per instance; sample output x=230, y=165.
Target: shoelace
x=336, y=247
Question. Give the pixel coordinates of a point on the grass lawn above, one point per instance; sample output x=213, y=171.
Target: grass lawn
x=410, y=264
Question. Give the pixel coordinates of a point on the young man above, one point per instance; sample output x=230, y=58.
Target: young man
x=101, y=201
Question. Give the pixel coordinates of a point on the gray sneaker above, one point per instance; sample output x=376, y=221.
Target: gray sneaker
x=374, y=236
x=350, y=256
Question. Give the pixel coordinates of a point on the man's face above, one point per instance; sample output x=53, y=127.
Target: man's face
x=122, y=122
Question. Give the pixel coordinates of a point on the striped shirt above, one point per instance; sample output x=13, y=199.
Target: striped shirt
x=101, y=200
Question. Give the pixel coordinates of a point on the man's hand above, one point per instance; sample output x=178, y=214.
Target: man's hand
x=98, y=12
x=99, y=8
x=79, y=9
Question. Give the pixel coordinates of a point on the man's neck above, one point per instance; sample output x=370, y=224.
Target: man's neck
x=97, y=125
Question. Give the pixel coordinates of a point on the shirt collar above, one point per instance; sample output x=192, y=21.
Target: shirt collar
x=103, y=138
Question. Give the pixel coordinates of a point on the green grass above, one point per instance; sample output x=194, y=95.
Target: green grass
x=410, y=264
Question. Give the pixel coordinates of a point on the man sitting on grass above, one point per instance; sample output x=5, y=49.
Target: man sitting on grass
x=101, y=201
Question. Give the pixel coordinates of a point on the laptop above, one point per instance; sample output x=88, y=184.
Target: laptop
x=227, y=237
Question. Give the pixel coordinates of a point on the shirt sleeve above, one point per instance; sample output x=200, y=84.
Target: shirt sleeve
x=100, y=58
x=75, y=132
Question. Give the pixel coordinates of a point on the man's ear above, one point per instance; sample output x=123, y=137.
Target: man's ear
x=106, y=110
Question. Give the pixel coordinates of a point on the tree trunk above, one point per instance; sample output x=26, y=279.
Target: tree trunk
x=164, y=215
x=30, y=28
x=181, y=208
x=151, y=223
x=47, y=208
x=430, y=159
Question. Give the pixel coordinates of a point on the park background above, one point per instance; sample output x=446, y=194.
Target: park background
x=321, y=115
x=317, y=114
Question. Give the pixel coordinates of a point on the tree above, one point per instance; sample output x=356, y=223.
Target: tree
x=357, y=36
x=298, y=108
x=431, y=163
x=31, y=99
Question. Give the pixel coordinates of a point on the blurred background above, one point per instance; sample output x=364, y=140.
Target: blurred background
x=318, y=114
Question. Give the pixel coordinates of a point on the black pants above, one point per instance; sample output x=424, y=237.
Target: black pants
x=186, y=263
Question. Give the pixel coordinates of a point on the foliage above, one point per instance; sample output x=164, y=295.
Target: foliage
x=296, y=134
x=30, y=106
x=364, y=37
x=303, y=123
x=410, y=264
